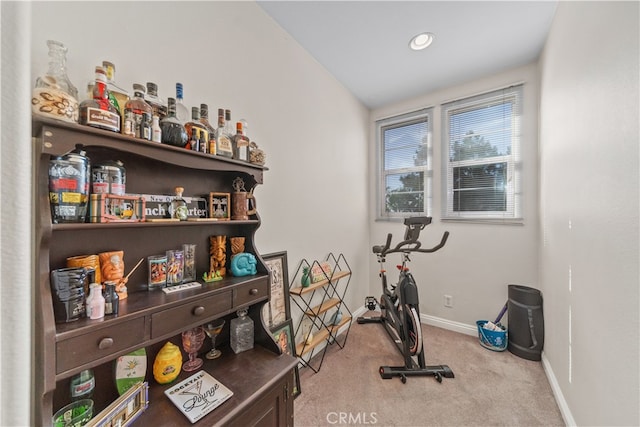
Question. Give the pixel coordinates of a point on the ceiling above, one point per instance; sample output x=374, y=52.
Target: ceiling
x=364, y=44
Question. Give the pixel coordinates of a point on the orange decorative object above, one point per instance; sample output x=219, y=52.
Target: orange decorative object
x=92, y=261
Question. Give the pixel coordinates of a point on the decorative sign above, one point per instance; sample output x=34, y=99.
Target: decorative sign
x=159, y=206
x=198, y=395
x=320, y=272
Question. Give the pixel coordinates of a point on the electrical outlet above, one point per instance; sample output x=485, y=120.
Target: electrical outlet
x=448, y=301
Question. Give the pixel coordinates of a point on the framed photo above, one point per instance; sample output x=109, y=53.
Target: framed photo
x=220, y=205
x=283, y=335
x=279, y=310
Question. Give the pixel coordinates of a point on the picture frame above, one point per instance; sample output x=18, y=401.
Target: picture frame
x=125, y=409
x=284, y=338
x=278, y=308
x=220, y=206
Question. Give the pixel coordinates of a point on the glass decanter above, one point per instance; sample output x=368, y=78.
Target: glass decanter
x=54, y=95
x=241, y=331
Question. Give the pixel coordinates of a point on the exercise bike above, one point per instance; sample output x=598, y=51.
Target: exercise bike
x=399, y=306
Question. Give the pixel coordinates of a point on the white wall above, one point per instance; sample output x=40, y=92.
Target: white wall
x=479, y=260
x=314, y=132
x=589, y=209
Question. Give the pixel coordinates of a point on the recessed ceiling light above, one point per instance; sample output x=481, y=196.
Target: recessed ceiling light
x=421, y=41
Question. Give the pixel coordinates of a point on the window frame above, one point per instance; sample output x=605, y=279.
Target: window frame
x=418, y=116
x=513, y=211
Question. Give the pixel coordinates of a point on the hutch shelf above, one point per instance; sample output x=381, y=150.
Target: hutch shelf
x=318, y=290
x=261, y=379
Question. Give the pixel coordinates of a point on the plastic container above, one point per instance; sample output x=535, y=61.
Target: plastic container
x=492, y=340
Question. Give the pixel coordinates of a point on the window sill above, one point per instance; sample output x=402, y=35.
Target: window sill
x=492, y=221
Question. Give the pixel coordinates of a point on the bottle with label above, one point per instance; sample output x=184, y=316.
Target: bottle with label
x=138, y=115
x=241, y=331
x=182, y=112
x=111, y=299
x=157, y=104
x=156, y=132
x=223, y=139
x=195, y=124
x=194, y=142
x=173, y=132
x=98, y=111
x=204, y=143
x=95, y=302
x=179, y=206
x=120, y=95
x=211, y=132
x=240, y=144
x=82, y=385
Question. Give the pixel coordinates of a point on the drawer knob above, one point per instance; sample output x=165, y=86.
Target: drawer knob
x=105, y=343
x=253, y=291
x=198, y=311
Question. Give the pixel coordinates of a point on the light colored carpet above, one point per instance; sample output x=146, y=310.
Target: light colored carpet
x=489, y=389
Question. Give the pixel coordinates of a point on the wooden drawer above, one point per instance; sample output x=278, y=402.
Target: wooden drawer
x=178, y=318
x=99, y=343
x=249, y=293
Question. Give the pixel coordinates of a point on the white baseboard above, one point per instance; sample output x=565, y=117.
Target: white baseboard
x=450, y=325
x=557, y=393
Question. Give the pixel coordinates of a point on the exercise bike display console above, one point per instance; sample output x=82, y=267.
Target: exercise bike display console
x=399, y=306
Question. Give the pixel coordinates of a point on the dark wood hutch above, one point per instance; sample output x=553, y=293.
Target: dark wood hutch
x=261, y=379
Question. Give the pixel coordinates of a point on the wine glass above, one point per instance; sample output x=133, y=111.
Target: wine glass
x=213, y=329
x=192, y=340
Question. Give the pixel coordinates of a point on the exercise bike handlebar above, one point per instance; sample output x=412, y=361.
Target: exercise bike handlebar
x=414, y=225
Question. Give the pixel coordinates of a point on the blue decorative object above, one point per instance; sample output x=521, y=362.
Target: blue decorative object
x=243, y=264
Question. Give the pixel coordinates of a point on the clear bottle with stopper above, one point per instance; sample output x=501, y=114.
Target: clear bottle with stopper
x=179, y=208
x=241, y=332
x=54, y=95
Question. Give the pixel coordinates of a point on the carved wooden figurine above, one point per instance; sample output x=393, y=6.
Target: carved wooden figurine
x=218, y=256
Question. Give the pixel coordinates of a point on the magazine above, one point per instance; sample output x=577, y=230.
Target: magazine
x=198, y=395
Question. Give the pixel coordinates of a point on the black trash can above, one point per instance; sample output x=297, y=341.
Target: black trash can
x=526, y=322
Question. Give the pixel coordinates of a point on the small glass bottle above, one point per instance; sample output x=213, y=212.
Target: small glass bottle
x=182, y=112
x=98, y=111
x=211, y=132
x=194, y=142
x=223, y=139
x=240, y=144
x=241, y=331
x=156, y=132
x=192, y=124
x=111, y=299
x=82, y=385
x=204, y=142
x=54, y=95
x=179, y=206
x=95, y=302
x=138, y=115
x=173, y=132
x=157, y=104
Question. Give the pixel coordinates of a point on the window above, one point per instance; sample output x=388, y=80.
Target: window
x=481, y=152
x=405, y=165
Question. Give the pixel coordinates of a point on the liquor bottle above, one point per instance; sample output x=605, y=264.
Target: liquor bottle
x=120, y=95
x=98, y=111
x=204, y=143
x=82, y=385
x=173, y=133
x=138, y=115
x=156, y=132
x=152, y=98
x=111, y=299
x=179, y=206
x=241, y=331
x=192, y=124
x=54, y=95
x=182, y=112
x=204, y=119
x=240, y=144
x=223, y=139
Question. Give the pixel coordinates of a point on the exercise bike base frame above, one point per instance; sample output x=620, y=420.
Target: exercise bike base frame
x=388, y=372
